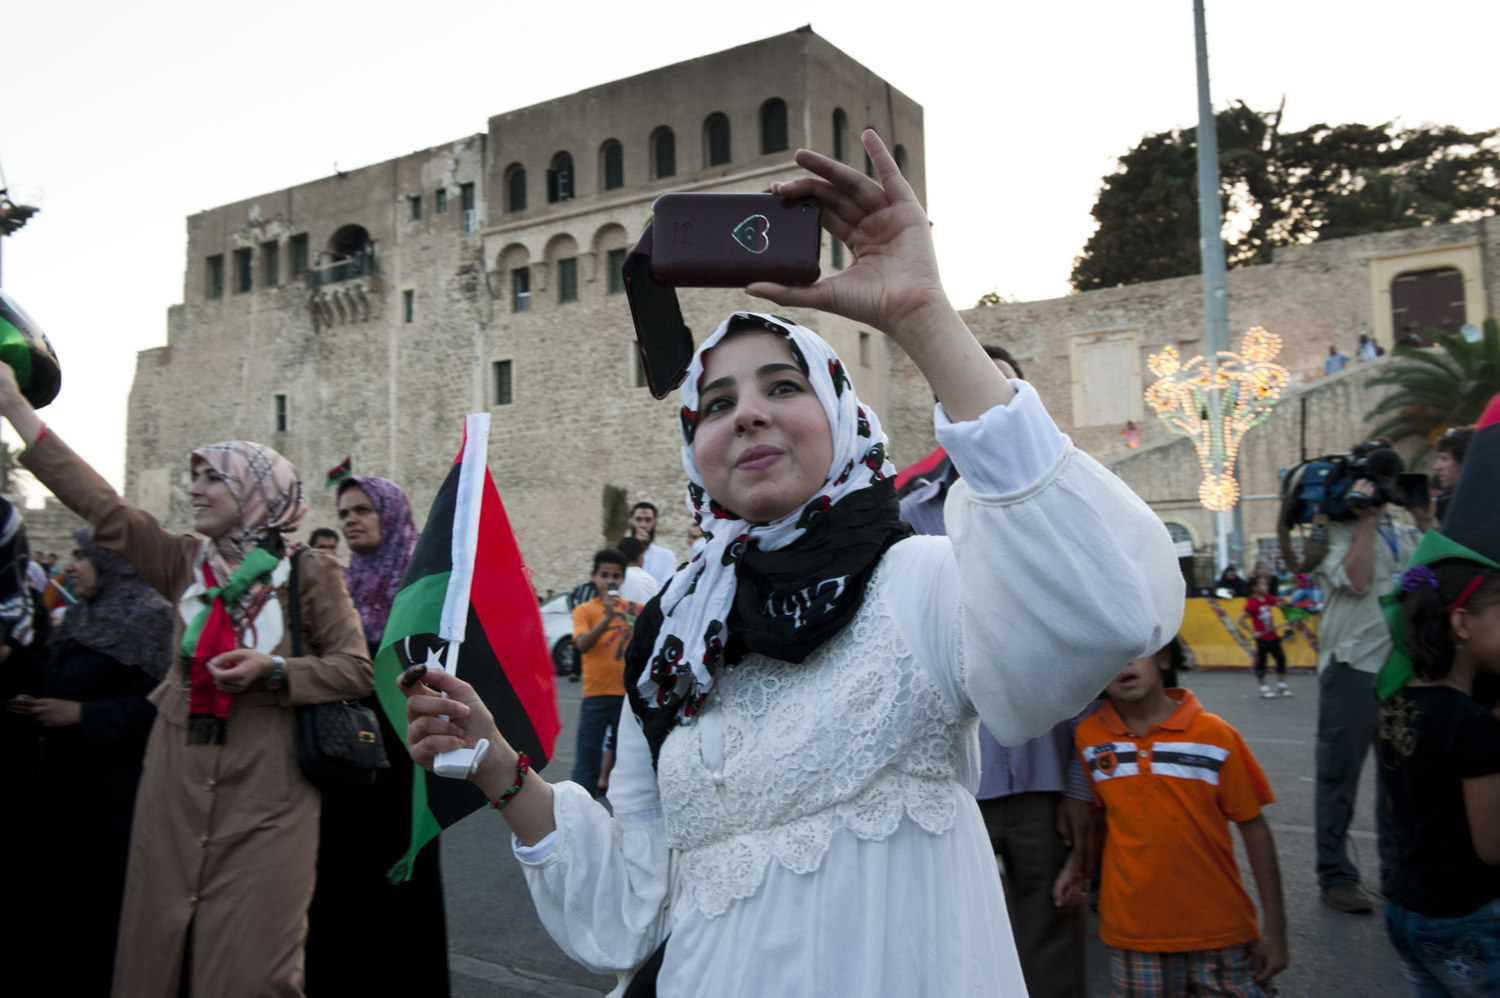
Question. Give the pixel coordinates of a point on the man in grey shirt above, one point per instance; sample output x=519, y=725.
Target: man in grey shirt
x=1363, y=561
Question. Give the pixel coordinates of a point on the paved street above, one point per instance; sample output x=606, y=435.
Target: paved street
x=498, y=949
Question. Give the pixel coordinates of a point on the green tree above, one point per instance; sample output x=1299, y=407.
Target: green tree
x=994, y=297
x=1438, y=388
x=1281, y=188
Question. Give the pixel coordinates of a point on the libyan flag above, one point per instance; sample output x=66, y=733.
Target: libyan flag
x=467, y=605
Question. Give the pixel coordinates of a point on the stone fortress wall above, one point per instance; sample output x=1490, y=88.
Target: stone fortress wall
x=358, y=378
x=357, y=374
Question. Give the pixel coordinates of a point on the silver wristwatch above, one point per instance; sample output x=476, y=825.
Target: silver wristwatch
x=277, y=679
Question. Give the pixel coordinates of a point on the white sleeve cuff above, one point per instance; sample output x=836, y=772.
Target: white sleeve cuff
x=535, y=855
x=1008, y=448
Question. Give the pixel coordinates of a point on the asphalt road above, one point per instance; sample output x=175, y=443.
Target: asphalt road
x=498, y=948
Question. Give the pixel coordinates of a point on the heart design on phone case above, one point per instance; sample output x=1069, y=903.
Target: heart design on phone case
x=751, y=234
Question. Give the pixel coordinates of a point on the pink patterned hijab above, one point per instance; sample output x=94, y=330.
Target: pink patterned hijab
x=374, y=579
x=265, y=487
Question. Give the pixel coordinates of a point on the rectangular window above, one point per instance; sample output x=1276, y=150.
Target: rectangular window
x=567, y=279
x=441, y=201
x=242, y=268
x=281, y=414
x=408, y=305
x=502, y=382
x=299, y=255
x=520, y=289
x=270, y=263
x=414, y=206
x=864, y=346
x=216, y=276
x=471, y=214
x=615, y=264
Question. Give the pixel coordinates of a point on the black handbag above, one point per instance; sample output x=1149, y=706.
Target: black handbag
x=338, y=743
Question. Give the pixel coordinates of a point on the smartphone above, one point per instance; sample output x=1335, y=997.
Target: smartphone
x=731, y=240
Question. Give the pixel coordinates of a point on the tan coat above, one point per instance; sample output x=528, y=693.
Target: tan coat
x=225, y=836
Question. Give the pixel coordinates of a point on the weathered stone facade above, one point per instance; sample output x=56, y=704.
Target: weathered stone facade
x=399, y=329
x=338, y=357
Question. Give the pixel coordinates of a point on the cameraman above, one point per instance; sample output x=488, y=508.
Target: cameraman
x=1363, y=558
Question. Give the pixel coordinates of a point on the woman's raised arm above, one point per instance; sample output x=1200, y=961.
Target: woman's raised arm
x=163, y=558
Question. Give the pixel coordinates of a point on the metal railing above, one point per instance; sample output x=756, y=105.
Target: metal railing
x=362, y=264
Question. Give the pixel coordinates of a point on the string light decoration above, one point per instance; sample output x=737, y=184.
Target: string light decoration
x=1248, y=385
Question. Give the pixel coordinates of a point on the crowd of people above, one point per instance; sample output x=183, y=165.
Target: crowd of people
x=800, y=749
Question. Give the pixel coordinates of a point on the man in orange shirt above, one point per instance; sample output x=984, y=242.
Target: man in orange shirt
x=1170, y=777
x=601, y=633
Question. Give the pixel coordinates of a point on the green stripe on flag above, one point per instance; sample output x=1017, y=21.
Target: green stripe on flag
x=417, y=609
x=15, y=351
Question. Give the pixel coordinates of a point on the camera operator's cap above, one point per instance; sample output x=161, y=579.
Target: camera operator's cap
x=1471, y=532
x=25, y=348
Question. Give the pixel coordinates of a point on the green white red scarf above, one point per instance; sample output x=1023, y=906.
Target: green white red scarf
x=213, y=633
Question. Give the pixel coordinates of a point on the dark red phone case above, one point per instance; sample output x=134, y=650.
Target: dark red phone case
x=731, y=240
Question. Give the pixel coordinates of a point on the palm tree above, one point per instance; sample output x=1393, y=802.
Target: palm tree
x=1438, y=388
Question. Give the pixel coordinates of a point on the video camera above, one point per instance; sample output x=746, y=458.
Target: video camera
x=1321, y=486
x=1318, y=491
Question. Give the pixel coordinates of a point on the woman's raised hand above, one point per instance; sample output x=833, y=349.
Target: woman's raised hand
x=893, y=283
x=14, y=407
x=427, y=734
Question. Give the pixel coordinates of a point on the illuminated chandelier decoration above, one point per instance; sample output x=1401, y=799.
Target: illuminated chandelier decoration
x=1248, y=386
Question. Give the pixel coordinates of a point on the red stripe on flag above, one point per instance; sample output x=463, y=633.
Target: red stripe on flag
x=920, y=468
x=506, y=606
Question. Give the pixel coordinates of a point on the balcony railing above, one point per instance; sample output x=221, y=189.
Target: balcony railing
x=361, y=264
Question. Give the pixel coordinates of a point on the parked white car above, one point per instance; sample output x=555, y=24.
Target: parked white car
x=557, y=624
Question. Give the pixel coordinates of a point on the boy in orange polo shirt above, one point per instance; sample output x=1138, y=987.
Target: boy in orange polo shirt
x=1170, y=777
x=601, y=631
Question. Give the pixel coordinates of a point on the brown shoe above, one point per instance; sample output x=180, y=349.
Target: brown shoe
x=1348, y=897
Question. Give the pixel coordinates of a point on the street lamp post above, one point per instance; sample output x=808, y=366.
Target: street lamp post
x=1228, y=535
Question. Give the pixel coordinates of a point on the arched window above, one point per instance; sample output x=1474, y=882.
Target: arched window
x=773, y=126
x=515, y=187
x=612, y=164
x=560, y=179
x=899, y=153
x=840, y=133
x=663, y=153
x=716, y=138
x=349, y=242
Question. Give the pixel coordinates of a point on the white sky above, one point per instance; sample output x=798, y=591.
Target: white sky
x=132, y=116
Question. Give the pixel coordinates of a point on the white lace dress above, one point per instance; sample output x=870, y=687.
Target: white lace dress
x=814, y=832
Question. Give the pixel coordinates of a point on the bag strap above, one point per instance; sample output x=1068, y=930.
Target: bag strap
x=294, y=607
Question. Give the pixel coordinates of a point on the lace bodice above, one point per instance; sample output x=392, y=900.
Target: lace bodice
x=856, y=736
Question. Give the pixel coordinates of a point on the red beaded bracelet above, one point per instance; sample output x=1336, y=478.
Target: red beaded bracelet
x=522, y=765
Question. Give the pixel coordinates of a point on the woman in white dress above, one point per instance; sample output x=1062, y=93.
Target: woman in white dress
x=793, y=805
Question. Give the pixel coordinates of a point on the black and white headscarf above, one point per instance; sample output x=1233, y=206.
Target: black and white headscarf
x=780, y=588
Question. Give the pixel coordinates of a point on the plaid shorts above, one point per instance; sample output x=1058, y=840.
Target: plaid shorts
x=1135, y=974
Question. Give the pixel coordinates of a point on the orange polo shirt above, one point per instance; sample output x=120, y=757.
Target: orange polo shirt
x=604, y=663
x=1170, y=883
